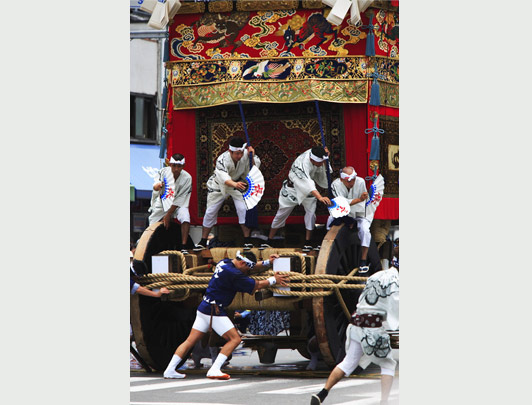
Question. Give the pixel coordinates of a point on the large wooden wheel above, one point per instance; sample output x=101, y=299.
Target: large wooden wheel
x=159, y=325
x=339, y=255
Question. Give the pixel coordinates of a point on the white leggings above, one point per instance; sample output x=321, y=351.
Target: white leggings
x=352, y=357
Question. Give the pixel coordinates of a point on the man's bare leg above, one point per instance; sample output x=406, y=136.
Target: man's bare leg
x=272, y=233
x=233, y=340
x=185, y=228
x=194, y=337
x=245, y=230
x=364, y=252
x=205, y=232
x=336, y=375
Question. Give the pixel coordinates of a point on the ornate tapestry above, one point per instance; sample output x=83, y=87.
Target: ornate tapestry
x=389, y=162
x=279, y=133
x=280, y=33
x=273, y=70
x=216, y=57
x=223, y=93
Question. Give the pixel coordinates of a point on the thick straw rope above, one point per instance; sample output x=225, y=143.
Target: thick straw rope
x=183, y=269
x=179, y=254
x=189, y=281
x=177, y=281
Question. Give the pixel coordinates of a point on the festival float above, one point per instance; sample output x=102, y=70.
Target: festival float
x=286, y=76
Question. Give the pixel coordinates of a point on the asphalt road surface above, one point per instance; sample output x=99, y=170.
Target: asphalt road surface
x=277, y=384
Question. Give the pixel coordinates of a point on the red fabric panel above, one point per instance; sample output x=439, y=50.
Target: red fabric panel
x=356, y=144
x=383, y=110
x=388, y=209
x=182, y=139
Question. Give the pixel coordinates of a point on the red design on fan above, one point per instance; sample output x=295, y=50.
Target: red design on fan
x=170, y=194
x=257, y=189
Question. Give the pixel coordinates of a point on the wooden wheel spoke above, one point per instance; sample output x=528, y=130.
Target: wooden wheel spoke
x=340, y=257
x=159, y=326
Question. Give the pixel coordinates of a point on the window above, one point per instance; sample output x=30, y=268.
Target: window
x=143, y=121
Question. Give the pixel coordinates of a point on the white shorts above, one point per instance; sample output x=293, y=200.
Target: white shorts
x=220, y=324
x=183, y=214
x=215, y=202
x=309, y=204
x=364, y=233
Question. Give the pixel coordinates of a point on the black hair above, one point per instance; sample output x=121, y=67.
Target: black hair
x=319, y=151
x=237, y=142
x=251, y=256
x=177, y=156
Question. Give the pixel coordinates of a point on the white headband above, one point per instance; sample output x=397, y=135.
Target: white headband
x=177, y=162
x=250, y=263
x=349, y=177
x=235, y=149
x=315, y=158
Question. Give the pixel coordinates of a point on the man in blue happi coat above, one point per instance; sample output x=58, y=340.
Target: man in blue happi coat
x=229, y=278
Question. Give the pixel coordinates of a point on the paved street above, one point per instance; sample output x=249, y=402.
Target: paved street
x=284, y=384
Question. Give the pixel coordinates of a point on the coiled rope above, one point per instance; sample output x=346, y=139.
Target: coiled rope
x=188, y=281
x=177, y=281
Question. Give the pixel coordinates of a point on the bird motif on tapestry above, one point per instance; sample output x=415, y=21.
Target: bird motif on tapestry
x=266, y=70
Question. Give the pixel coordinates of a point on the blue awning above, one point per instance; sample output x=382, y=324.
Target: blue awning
x=144, y=163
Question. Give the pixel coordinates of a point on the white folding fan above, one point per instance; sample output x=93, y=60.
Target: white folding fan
x=338, y=11
x=376, y=192
x=364, y=4
x=168, y=192
x=159, y=16
x=161, y=11
x=355, y=13
x=147, y=5
x=340, y=207
x=173, y=7
x=255, y=188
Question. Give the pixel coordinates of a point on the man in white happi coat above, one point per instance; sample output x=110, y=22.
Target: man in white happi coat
x=366, y=338
x=300, y=189
x=182, y=189
x=230, y=171
x=353, y=188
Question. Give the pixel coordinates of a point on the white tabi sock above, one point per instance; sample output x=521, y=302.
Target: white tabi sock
x=220, y=360
x=173, y=363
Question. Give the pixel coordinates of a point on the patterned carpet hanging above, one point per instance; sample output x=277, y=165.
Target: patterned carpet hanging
x=278, y=135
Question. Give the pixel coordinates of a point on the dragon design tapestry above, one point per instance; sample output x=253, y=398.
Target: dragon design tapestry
x=278, y=134
x=280, y=33
x=215, y=57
